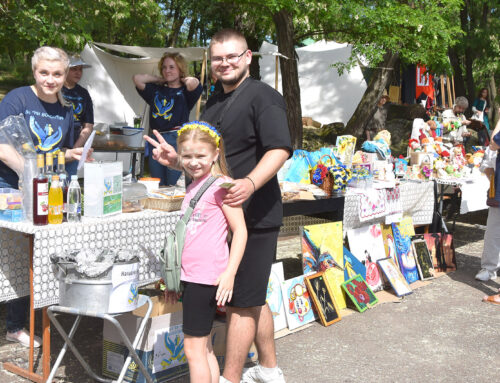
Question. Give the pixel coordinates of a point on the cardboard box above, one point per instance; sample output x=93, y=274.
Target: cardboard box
x=161, y=347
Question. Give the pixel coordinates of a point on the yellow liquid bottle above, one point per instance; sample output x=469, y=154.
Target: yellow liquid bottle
x=55, y=201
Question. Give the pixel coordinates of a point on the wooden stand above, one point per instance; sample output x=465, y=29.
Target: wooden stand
x=29, y=373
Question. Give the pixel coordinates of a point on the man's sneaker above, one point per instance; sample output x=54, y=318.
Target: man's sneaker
x=256, y=375
x=23, y=337
x=485, y=275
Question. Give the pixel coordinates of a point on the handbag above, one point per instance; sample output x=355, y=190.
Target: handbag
x=479, y=115
x=171, y=254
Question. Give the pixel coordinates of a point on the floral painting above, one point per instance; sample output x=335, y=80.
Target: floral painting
x=360, y=293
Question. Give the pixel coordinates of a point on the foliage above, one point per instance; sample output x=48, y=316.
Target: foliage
x=28, y=24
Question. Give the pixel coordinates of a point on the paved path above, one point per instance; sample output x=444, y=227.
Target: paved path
x=440, y=333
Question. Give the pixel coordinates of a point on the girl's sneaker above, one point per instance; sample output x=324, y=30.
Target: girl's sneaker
x=23, y=337
x=258, y=374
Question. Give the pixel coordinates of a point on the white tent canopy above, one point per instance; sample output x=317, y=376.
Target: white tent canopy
x=109, y=80
x=324, y=95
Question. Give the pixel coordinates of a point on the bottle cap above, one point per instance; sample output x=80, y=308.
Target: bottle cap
x=60, y=157
x=74, y=177
x=49, y=158
x=55, y=178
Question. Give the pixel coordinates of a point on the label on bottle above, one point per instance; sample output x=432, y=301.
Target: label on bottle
x=73, y=208
x=55, y=210
x=43, y=199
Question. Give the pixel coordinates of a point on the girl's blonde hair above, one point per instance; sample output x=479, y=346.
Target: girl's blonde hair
x=180, y=61
x=203, y=132
x=52, y=54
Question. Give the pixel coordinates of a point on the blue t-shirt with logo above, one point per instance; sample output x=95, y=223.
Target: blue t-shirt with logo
x=83, y=109
x=169, y=107
x=50, y=124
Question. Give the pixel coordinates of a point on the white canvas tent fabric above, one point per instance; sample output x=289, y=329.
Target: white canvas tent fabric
x=324, y=95
x=109, y=80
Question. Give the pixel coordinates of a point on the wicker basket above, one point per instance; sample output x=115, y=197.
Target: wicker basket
x=327, y=185
x=164, y=204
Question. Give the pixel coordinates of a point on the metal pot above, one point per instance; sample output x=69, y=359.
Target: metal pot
x=81, y=292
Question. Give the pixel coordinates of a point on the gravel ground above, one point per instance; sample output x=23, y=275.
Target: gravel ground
x=442, y=332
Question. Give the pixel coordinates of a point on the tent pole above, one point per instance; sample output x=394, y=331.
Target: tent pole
x=443, y=95
x=276, y=73
x=448, y=89
x=202, y=80
x=453, y=87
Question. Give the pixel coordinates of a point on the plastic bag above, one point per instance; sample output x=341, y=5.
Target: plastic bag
x=299, y=169
x=19, y=153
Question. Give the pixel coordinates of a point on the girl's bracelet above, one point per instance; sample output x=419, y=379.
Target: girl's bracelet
x=251, y=180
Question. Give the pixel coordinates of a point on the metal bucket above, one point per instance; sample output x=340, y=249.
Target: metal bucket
x=84, y=293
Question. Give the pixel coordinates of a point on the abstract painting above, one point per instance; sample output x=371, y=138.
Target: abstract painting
x=322, y=247
x=296, y=297
x=389, y=245
x=407, y=262
x=423, y=257
x=360, y=293
x=274, y=297
x=367, y=246
x=335, y=278
x=434, y=245
x=352, y=266
x=394, y=276
x=323, y=299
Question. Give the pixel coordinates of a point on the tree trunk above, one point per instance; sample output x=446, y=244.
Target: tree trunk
x=283, y=21
x=368, y=104
x=171, y=39
x=457, y=73
x=494, y=112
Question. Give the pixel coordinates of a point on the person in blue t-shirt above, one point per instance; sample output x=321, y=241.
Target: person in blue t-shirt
x=83, y=109
x=170, y=97
x=50, y=122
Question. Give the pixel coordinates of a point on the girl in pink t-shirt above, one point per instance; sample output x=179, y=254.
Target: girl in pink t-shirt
x=208, y=266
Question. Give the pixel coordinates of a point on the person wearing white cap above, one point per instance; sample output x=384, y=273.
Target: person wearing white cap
x=83, y=109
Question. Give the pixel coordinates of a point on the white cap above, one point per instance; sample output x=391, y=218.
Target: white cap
x=77, y=61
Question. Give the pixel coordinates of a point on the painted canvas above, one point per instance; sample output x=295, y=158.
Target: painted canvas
x=296, y=297
x=367, y=246
x=394, y=276
x=449, y=252
x=274, y=297
x=352, y=266
x=389, y=245
x=434, y=245
x=322, y=298
x=345, y=149
x=322, y=247
x=406, y=227
x=360, y=293
x=423, y=257
x=407, y=263
x=335, y=278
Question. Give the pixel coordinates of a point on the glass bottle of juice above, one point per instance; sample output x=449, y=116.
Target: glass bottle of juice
x=55, y=201
x=49, y=167
x=40, y=194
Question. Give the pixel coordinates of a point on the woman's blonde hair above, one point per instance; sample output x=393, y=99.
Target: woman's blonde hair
x=180, y=61
x=200, y=132
x=52, y=54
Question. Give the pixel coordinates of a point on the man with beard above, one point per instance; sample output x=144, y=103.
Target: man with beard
x=251, y=116
x=257, y=143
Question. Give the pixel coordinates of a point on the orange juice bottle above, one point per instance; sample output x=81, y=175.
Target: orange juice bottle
x=55, y=201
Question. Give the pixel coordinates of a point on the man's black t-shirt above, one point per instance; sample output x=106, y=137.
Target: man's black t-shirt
x=255, y=123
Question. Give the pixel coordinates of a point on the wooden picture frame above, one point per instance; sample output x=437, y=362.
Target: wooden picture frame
x=424, y=260
x=360, y=293
x=394, y=276
x=323, y=298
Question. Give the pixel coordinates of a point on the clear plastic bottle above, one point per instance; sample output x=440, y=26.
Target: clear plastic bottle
x=74, y=204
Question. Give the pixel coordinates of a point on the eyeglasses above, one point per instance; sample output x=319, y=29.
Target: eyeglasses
x=230, y=59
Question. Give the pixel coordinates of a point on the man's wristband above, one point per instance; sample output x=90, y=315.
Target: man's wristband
x=253, y=183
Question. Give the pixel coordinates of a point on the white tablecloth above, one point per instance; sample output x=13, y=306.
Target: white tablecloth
x=128, y=230
x=417, y=199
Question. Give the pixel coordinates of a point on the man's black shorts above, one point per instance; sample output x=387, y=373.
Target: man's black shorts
x=250, y=284
x=198, y=308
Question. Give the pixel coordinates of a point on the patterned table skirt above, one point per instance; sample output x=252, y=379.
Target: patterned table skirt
x=134, y=231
